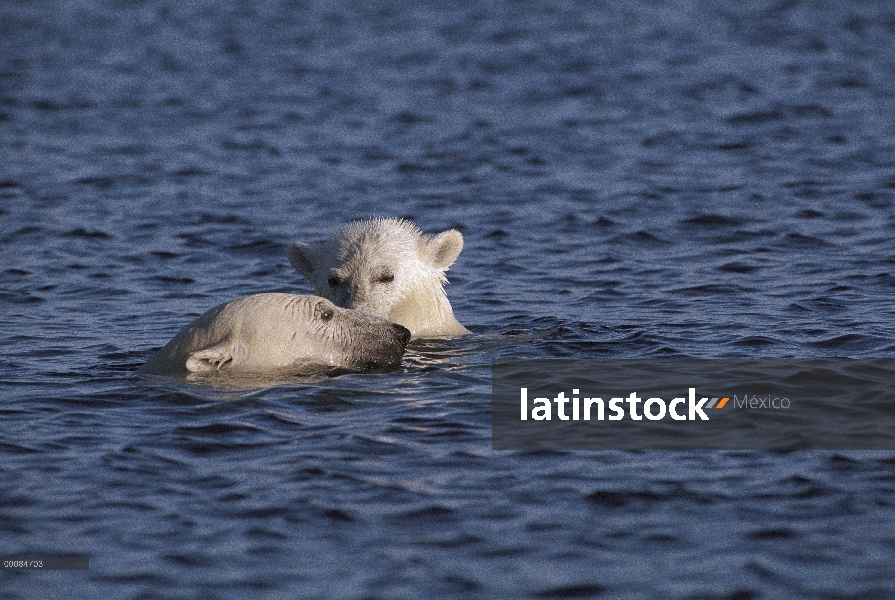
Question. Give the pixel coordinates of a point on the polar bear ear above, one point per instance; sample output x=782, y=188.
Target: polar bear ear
x=209, y=359
x=301, y=256
x=443, y=249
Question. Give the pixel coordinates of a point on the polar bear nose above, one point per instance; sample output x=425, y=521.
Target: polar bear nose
x=356, y=293
x=403, y=334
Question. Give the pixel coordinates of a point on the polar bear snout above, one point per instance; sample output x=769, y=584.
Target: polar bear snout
x=380, y=346
x=389, y=352
x=403, y=334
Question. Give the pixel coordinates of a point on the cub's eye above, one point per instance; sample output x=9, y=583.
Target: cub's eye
x=333, y=281
x=326, y=315
x=386, y=278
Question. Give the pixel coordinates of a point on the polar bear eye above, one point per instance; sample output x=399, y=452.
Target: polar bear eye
x=326, y=315
x=386, y=278
x=333, y=281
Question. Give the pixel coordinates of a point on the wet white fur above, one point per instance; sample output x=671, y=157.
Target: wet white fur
x=279, y=333
x=386, y=267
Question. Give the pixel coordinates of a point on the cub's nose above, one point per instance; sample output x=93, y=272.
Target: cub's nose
x=402, y=332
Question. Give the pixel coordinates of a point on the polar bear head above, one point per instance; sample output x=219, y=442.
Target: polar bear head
x=280, y=334
x=386, y=267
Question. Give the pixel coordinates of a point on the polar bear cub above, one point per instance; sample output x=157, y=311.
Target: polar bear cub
x=280, y=334
x=386, y=267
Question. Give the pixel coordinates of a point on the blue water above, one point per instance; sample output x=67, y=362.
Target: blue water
x=637, y=179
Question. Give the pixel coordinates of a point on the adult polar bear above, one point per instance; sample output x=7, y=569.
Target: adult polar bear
x=280, y=334
x=389, y=268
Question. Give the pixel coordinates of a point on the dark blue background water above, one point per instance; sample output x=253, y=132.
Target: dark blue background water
x=632, y=179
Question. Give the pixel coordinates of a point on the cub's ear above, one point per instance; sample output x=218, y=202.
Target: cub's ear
x=301, y=256
x=443, y=248
x=210, y=359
